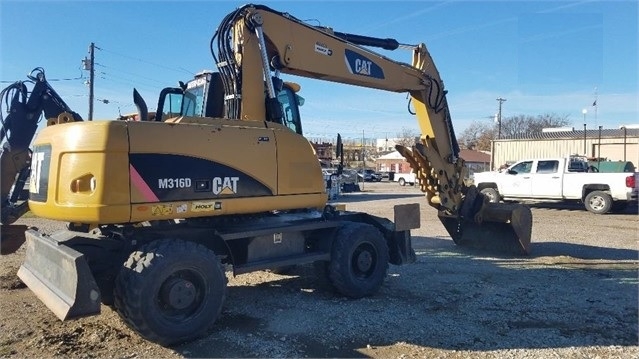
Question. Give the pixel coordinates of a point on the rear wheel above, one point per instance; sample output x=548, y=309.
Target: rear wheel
x=598, y=202
x=492, y=194
x=359, y=260
x=170, y=291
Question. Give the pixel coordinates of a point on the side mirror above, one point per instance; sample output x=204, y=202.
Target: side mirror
x=511, y=172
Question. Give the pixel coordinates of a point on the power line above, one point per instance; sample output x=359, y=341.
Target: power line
x=179, y=69
x=129, y=73
x=50, y=80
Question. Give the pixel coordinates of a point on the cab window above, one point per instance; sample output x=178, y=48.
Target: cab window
x=290, y=102
x=193, y=102
x=547, y=166
x=172, y=106
x=522, y=167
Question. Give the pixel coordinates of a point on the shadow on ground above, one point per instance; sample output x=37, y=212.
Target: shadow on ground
x=452, y=298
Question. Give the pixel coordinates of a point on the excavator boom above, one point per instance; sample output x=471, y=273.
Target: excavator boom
x=255, y=41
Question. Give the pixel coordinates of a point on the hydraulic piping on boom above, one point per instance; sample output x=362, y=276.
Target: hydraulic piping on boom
x=255, y=42
x=17, y=130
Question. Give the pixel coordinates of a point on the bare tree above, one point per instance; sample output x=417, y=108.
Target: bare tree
x=477, y=136
x=526, y=125
x=407, y=137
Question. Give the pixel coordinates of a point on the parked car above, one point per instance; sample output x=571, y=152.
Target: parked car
x=369, y=175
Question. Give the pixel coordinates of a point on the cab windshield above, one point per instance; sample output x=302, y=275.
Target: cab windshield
x=290, y=102
x=193, y=101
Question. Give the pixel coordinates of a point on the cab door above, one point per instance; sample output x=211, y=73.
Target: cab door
x=517, y=181
x=546, y=179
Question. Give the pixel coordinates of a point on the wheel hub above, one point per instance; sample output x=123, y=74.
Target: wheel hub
x=364, y=261
x=596, y=202
x=178, y=293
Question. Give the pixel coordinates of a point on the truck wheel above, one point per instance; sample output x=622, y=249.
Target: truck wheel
x=598, y=202
x=359, y=260
x=170, y=291
x=402, y=182
x=492, y=194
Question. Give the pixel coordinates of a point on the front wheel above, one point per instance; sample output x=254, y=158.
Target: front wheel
x=170, y=291
x=402, y=182
x=598, y=202
x=359, y=260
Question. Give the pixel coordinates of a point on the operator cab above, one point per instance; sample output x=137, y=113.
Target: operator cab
x=204, y=97
x=201, y=97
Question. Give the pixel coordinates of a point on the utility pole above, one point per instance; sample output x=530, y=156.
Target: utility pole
x=88, y=65
x=501, y=100
x=584, y=111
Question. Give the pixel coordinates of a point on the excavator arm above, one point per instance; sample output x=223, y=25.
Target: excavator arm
x=255, y=43
x=17, y=130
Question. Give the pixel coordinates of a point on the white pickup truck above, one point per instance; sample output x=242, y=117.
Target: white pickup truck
x=404, y=178
x=560, y=179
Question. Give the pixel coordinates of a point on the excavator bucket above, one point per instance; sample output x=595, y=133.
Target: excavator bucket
x=497, y=227
x=59, y=276
x=11, y=238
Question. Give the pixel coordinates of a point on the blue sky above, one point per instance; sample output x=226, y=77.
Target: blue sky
x=541, y=56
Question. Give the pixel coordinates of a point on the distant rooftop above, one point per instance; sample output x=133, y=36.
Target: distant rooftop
x=568, y=134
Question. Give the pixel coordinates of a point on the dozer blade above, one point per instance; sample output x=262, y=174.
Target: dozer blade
x=60, y=277
x=498, y=227
x=11, y=238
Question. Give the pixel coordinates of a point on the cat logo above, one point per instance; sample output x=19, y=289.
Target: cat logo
x=225, y=185
x=358, y=64
x=202, y=206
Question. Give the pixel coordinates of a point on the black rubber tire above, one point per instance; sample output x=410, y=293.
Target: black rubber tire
x=185, y=273
x=492, y=194
x=402, y=182
x=359, y=260
x=598, y=202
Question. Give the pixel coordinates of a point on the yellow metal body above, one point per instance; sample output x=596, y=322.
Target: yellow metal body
x=90, y=179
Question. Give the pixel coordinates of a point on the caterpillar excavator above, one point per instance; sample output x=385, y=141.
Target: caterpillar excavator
x=222, y=176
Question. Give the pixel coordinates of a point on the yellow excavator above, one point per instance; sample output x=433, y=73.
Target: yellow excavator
x=223, y=176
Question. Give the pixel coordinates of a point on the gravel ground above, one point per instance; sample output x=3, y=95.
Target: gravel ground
x=575, y=296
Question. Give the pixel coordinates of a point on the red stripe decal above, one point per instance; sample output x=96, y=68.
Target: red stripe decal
x=139, y=183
